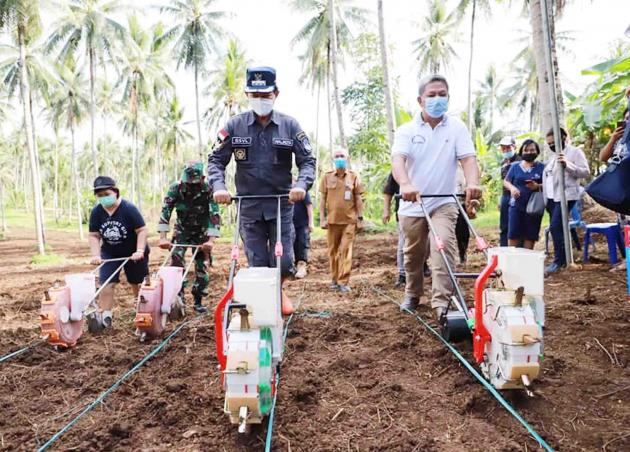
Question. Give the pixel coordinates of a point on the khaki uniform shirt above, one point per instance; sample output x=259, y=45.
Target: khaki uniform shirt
x=340, y=193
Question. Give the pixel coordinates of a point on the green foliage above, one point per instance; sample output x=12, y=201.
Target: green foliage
x=46, y=260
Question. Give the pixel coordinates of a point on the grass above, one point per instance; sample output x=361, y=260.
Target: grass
x=489, y=219
x=47, y=259
x=18, y=219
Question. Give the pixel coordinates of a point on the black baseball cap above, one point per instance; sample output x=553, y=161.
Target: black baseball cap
x=261, y=79
x=103, y=183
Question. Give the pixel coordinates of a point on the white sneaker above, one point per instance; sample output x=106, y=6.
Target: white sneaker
x=301, y=270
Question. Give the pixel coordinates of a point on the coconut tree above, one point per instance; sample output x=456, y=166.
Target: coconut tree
x=387, y=86
x=434, y=46
x=484, y=7
x=323, y=47
x=142, y=75
x=196, y=33
x=175, y=135
x=522, y=92
x=88, y=24
x=554, y=9
x=21, y=18
x=68, y=107
x=226, y=86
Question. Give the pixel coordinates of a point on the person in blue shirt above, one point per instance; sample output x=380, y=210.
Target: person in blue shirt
x=523, y=179
x=117, y=230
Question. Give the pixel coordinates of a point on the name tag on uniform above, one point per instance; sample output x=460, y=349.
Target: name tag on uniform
x=241, y=141
x=347, y=196
x=283, y=142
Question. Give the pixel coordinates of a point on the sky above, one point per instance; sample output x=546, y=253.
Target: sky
x=266, y=27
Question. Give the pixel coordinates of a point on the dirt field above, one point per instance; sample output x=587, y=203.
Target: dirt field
x=364, y=378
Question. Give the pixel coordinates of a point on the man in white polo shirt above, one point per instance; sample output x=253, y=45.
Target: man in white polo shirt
x=424, y=160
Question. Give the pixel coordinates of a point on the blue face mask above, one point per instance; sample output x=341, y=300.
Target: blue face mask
x=436, y=106
x=107, y=201
x=340, y=163
x=508, y=155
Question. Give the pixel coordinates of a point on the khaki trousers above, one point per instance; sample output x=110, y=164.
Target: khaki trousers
x=417, y=235
x=340, y=244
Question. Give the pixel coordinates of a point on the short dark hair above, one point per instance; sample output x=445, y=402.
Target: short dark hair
x=430, y=79
x=527, y=143
x=563, y=133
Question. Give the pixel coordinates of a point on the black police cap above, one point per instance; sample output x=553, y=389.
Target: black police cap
x=261, y=79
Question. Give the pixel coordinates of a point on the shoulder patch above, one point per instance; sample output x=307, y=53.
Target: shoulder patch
x=302, y=138
x=221, y=141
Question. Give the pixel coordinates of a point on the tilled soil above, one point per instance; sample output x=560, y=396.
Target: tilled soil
x=357, y=374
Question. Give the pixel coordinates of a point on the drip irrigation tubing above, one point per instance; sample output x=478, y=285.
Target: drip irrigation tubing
x=269, y=436
x=22, y=350
x=116, y=384
x=491, y=389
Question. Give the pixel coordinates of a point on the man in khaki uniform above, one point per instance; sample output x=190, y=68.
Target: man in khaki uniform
x=341, y=212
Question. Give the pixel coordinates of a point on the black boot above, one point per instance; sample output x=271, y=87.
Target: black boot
x=198, y=307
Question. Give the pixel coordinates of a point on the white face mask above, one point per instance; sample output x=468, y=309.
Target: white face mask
x=261, y=106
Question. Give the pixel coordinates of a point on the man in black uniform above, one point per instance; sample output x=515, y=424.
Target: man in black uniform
x=263, y=142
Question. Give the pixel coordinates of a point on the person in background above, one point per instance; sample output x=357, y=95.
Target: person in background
x=198, y=223
x=303, y=225
x=117, y=230
x=524, y=178
x=341, y=213
x=509, y=156
x=615, y=148
x=576, y=167
x=390, y=190
x=462, y=231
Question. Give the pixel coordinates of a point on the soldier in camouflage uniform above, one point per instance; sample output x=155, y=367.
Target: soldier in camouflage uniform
x=197, y=223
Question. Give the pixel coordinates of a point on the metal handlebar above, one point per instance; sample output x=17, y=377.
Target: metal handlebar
x=278, y=196
x=103, y=285
x=105, y=261
x=440, y=246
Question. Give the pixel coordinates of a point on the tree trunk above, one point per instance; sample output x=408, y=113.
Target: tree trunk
x=544, y=102
x=39, y=170
x=75, y=181
x=332, y=29
x=56, y=180
x=199, y=145
x=470, y=64
x=28, y=131
x=2, y=213
x=316, y=143
x=92, y=106
x=330, y=109
x=389, y=101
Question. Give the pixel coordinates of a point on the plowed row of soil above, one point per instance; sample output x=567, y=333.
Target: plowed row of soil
x=357, y=375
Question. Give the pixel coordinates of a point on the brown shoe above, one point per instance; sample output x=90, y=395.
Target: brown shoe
x=301, y=270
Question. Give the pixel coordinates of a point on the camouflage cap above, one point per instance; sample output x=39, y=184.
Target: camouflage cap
x=193, y=172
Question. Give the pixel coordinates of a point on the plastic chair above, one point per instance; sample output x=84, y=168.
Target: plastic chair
x=612, y=232
x=576, y=222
